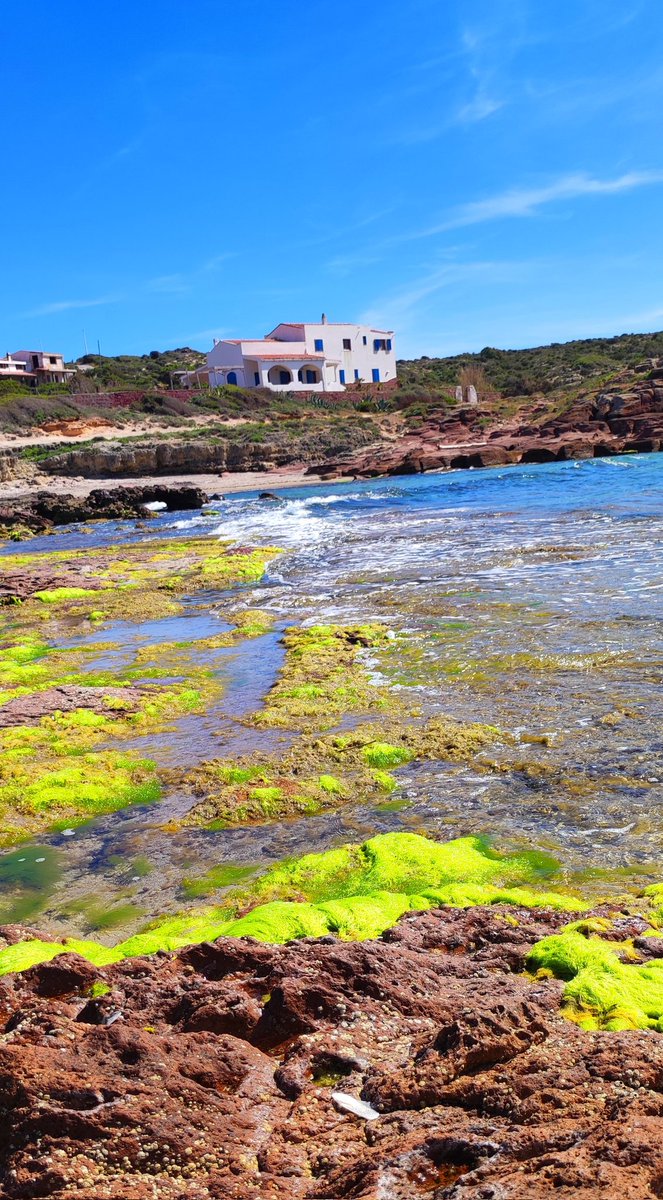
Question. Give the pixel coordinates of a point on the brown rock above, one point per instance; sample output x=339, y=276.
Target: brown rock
x=484, y=1090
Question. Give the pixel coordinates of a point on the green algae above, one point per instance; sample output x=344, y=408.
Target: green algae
x=323, y=677
x=70, y=789
x=403, y=862
x=139, y=581
x=56, y=595
x=217, y=878
x=602, y=990
x=300, y=778
x=353, y=891
x=381, y=754
x=23, y=955
x=26, y=878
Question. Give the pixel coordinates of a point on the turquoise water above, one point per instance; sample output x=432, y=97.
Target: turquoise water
x=530, y=598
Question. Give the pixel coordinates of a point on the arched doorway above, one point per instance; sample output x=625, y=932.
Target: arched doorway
x=280, y=376
x=232, y=378
x=309, y=374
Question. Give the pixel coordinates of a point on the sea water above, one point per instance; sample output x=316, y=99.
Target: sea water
x=529, y=598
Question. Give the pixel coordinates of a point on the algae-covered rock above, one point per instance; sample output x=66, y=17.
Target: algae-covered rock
x=323, y=678
x=355, y=892
x=603, y=991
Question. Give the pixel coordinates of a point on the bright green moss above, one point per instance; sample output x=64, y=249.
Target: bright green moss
x=386, y=782
x=355, y=892
x=323, y=678
x=266, y=795
x=381, y=754
x=405, y=863
x=57, y=595
x=27, y=954
x=331, y=785
x=601, y=992
x=69, y=788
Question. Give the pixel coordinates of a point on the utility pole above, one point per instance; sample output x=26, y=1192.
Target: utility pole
x=85, y=342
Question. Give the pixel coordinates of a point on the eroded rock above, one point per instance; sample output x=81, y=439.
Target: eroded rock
x=216, y=1076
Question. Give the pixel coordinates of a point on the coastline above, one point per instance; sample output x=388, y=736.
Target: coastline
x=213, y=484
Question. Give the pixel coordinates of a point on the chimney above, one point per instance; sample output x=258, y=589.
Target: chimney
x=324, y=318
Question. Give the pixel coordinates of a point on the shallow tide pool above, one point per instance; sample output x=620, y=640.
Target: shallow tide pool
x=529, y=598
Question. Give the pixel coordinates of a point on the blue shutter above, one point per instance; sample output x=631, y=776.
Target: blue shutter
x=356, y=374
x=376, y=375
x=388, y=343
x=342, y=376
x=319, y=344
x=256, y=378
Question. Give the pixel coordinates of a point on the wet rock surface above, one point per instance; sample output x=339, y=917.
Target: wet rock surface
x=67, y=698
x=210, y=1073
x=40, y=512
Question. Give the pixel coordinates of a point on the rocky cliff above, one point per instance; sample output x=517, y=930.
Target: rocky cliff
x=627, y=417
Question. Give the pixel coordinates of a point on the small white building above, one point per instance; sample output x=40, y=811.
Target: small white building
x=45, y=368
x=14, y=368
x=327, y=357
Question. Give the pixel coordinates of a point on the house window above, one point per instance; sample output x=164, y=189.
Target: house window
x=341, y=375
x=364, y=340
x=53, y=361
x=347, y=344
x=376, y=374
x=284, y=377
x=256, y=378
x=319, y=344
x=379, y=344
x=356, y=375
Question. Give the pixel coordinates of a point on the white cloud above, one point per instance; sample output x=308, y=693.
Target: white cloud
x=59, y=306
x=478, y=109
x=397, y=308
x=525, y=202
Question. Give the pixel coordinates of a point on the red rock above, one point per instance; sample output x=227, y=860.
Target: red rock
x=484, y=1090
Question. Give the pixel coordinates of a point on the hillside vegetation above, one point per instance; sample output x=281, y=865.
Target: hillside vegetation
x=542, y=369
x=506, y=380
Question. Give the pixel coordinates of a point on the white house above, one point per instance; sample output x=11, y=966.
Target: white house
x=327, y=357
x=45, y=368
x=14, y=368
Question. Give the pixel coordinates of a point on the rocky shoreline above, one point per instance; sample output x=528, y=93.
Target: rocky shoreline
x=626, y=419
x=40, y=512
x=224, y=1070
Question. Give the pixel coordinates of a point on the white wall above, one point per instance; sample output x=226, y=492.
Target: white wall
x=361, y=358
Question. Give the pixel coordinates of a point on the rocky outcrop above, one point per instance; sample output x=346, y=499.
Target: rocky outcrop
x=42, y=511
x=29, y=710
x=224, y=1071
x=615, y=422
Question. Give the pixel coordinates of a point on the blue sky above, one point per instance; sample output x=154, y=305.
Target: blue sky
x=469, y=175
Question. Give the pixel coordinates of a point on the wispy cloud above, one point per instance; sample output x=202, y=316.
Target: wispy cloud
x=176, y=284
x=60, y=306
x=526, y=201
x=168, y=285
x=216, y=261
x=397, y=307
